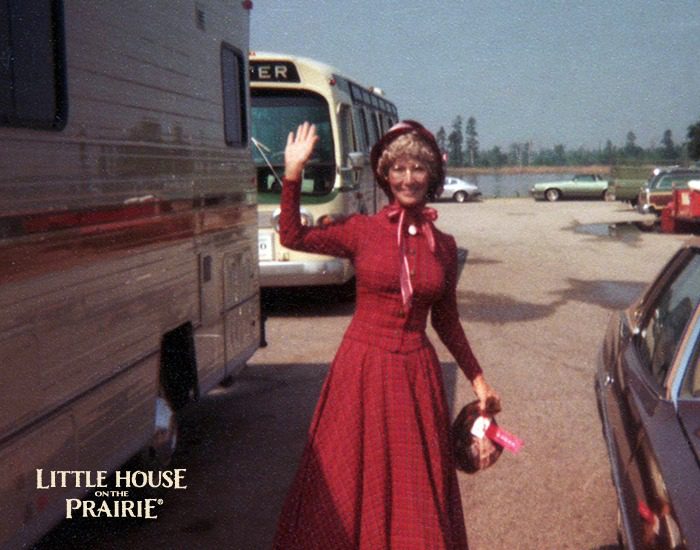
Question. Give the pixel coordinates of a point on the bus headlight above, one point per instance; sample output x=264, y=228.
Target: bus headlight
x=328, y=219
x=306, y=218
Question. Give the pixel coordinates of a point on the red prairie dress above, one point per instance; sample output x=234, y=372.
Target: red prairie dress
x=377, y=471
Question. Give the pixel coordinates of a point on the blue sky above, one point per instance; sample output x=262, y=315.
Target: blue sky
x=550, y=72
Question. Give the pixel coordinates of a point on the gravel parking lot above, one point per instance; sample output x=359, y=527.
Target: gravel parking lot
x=535, y=295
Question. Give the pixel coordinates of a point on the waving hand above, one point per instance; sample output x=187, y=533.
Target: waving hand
x=299, y=148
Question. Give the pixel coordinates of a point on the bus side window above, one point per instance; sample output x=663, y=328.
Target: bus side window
x=365, y=128
x=32, y=65
x=374, y=131
x=235, y=112
x=347, y=137
x=385, y=123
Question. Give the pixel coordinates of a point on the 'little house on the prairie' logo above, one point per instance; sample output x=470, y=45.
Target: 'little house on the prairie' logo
x=111, y=502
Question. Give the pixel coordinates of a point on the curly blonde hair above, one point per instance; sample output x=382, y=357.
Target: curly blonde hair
x=415, y=147
x=409, y=145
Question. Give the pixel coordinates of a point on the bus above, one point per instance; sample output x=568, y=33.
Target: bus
x=338, y=181
x=128, y=234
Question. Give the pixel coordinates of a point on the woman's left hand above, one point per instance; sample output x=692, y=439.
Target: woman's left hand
x=489, y=400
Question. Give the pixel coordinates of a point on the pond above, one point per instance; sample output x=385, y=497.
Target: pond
x=511, y=185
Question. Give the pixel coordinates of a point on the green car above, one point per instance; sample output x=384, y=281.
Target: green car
x=581, y=186
x=627, y=180
x=626, y=190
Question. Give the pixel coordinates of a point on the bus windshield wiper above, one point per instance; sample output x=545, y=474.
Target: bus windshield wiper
x=261, y=147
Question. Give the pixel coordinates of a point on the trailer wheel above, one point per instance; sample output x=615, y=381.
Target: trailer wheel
x=177, y=387
x=165, y=435
x=178, y=367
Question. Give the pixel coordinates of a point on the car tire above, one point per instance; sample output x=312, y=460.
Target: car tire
x=460, y=196
x=552, y=195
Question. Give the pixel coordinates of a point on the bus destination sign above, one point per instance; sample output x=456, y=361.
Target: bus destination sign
x=273, y=71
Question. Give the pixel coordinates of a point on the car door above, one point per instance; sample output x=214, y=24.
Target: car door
x=687, y=382
x=577, y=187
x=645, y=412
x=586, y=186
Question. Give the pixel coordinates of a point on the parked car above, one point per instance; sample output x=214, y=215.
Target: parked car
x=627, y=180
x=625, y=190
x=459, y=190
x=656, y=194
x=648, y=393
x=581, y=186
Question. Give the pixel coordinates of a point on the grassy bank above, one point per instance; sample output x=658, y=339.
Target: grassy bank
x=617, y=171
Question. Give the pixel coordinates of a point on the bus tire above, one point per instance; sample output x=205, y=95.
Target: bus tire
x=346, y=292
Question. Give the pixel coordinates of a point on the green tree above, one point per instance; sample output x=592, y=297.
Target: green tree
x=694, y=141
x=472, y=142
x=632, y=150
x=559, y=155
x=494, y=158
x=515, y=154
x=668, y=148
x=441, y=138
x=455, y=140
x=608, y=153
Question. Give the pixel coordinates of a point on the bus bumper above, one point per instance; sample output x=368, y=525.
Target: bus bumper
x=333, y=271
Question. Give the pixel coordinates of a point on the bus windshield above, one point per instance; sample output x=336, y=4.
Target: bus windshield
x=274, y=114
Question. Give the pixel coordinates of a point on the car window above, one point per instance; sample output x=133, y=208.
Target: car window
x=669, y=181
x=665, y=183
x=667, y=319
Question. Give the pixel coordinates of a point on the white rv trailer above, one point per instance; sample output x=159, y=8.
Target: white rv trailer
x=128, y=233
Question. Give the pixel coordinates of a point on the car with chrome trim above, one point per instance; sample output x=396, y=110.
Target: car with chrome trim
x=580, y=186
x=648, y=392
x=459, y=190
x=658, y=192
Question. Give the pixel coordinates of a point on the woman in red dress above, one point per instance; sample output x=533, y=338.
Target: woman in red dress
x=377, y=471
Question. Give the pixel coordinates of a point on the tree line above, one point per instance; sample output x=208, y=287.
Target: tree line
x=461, y=148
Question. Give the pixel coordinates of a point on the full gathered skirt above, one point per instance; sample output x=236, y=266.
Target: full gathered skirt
x=377, y=471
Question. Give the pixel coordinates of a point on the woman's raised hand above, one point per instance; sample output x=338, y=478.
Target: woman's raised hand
x=299, y=148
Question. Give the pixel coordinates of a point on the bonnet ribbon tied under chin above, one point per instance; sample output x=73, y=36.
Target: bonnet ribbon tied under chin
x=424, y=223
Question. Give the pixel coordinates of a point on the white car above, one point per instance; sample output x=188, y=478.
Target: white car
x=459, y=190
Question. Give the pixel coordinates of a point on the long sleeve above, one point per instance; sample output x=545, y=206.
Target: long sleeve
x=336, y=239
x=445, y=318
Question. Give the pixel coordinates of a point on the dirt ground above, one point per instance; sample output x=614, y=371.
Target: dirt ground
x=535, y=294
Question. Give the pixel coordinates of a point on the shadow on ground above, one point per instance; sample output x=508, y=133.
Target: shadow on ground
x=501, y=308
x=320, y=301
x=240, y=446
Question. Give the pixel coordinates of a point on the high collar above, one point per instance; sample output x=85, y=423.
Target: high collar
x=420, y=213
x=420, y=216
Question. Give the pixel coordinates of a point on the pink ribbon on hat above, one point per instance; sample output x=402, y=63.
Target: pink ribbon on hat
x=424, y=223
x=402, y=125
